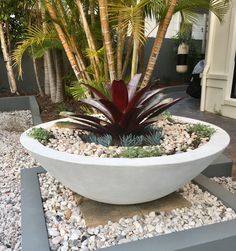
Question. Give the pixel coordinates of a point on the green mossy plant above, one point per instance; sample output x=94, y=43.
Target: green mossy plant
x=61, y=108
x=139, y=152
x=201, y=130
x=41, y=134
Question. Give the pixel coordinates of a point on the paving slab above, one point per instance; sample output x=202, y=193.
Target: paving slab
x=96, y=213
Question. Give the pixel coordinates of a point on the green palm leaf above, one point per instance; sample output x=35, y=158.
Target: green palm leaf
x=132, y=19
x=35, y=38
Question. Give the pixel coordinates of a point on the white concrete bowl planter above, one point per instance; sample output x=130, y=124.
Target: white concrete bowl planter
x=123, y=180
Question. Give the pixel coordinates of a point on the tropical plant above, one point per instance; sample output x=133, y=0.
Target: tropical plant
x=117, y=28
x=127, y=110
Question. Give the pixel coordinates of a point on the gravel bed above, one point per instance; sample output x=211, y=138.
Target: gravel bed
x=12, y=158
x=175, y=139
x=227, y=182
x=67, y=228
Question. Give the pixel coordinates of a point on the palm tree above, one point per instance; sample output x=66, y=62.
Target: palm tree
x=161, y=32
x=107, y=38
x=7, y=60
x=164, y=13
x=122, y=26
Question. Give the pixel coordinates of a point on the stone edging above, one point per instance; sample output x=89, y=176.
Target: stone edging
x=206, y=238
x=22, y=103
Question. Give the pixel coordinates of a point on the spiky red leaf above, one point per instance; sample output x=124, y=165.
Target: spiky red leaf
x=132, y=86
x=149, y=95
x=115, y=112
x=136, y=98
x=156, y=110
x=92, y=118
x=90, y=122
x=119, y=94
x=98, y=106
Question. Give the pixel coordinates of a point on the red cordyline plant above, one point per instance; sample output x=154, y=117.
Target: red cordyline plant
x=127, y=111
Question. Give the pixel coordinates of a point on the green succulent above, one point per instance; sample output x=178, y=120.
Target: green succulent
x=140, y=152
x=41, y=134
x=201, y=130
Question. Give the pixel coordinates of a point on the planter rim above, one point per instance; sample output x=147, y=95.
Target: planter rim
x=219, y=141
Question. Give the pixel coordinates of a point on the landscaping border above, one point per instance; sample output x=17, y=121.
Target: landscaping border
x=9, y=104
x=214, y=237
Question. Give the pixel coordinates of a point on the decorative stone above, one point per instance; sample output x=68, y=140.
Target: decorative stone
x=56, y=240
x=67, y=214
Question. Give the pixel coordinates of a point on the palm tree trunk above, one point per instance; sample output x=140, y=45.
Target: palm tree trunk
x=65, y=44
x=8, y=41
x=161, y=32
x=127, y=56
x=7, y=60
x=36, y=73
x=51, y=75
x=92, y=14
x=134, y=66
x=46, y=75
x=121, y=35
x=107, y=38
x=94, y=60
x=78, y=58
x=59, y=74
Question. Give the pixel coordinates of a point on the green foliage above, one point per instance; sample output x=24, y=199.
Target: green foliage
x=61, y=108
x=105, y=140
x=154, y=137
x=168, y=116
x=139, y=152
x=131, y=140
x=202, y=131
x=78, y=91
x=38, y=41
x=41, y=134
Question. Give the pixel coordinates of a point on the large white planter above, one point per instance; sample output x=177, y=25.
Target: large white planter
x=123, y=180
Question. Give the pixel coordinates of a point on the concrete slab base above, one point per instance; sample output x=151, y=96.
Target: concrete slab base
x=96, y=213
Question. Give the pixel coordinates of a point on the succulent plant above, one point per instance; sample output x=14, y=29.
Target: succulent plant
x=127, y=110
x=41, y=134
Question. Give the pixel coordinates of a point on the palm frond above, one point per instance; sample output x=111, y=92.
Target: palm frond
x=35, y=36
x=218, y=7
x=132, y=19
x=156, y=9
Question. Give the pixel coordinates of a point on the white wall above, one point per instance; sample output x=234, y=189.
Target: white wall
x=151, y=29
x=198, y=30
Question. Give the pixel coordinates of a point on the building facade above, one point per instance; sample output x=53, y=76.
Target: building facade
x=219, y=76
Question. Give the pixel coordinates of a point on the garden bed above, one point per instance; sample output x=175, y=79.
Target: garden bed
x=67, y=228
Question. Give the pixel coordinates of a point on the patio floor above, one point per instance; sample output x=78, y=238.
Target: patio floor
x=189, y=107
